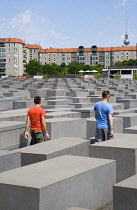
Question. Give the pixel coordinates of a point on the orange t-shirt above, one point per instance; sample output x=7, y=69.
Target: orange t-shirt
x=35, y=114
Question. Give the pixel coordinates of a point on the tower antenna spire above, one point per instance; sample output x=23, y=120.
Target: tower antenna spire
x=126, y=40
x=126, y=22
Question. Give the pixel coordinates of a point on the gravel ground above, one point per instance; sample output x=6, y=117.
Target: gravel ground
x=108, y=207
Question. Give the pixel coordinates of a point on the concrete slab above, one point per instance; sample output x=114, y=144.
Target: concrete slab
x=54, y=148
x=59, y=183
x=125, y=194
x=12, y=135
x=132, y=130
x=68, y=127
x=9, y=160
x=65, y=114
x=129, y=119
x=123, y=149
x=77, y=208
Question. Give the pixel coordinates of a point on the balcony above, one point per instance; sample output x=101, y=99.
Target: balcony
x=2, y=45
x=2, y=60
x=2, y=70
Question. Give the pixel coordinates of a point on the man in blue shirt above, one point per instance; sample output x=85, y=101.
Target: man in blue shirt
x=104, y=119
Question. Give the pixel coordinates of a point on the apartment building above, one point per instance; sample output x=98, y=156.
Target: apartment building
x=12, y=57
x=14, y=54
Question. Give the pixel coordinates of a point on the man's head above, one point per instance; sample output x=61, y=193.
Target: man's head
x=106, y=94
x=37, y=100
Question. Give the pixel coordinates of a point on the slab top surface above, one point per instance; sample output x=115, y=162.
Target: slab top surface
x=131, y=182
x=51, y=171
x=121, y=140
x=53, y=145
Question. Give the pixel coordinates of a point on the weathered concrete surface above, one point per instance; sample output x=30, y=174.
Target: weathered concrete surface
x=66, y=127
x=12, y=135
x=54, y=148
x=125, y=194
x=9, y=160
x=123, y=149
x=58, y=184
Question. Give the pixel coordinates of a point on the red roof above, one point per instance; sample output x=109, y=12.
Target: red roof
x=9, y=40
x=33, y=46
x=99, y=49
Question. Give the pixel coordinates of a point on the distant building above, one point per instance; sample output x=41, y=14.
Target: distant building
x=14, y=54
x=125, y=72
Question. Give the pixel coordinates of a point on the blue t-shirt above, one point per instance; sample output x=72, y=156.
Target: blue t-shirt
x=103, y=109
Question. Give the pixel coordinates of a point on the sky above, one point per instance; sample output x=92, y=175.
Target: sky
x=69, y=23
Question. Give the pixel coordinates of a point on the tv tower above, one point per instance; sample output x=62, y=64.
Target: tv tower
x=126, y=40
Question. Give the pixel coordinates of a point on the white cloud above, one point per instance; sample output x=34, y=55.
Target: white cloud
x=33, y=28
x=124, y=2
x=101, y=34
x=57, y=35
x=22, y=21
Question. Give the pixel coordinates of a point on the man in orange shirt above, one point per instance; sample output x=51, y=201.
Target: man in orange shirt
x=36, y=120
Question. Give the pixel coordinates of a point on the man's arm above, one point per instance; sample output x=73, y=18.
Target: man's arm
x=27, y=127
x=45, y=127
x=111, y=124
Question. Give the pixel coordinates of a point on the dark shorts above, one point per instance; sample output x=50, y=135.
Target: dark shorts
x=102, y=135
x=36, y=137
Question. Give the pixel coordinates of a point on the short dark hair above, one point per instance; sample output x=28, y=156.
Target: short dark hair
x=37, y=99
x=105, y=93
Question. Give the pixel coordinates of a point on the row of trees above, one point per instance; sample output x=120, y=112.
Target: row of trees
x=35, y=68
x=130, y=62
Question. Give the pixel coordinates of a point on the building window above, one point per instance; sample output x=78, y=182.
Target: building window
x=2, y=65
x=101, y=54
x=81, y=58
x=2, y=55
x=94, y=62
x=2, y=60
x=94, y=58
x=107, y=57
x=3, y=50
x=125, y=71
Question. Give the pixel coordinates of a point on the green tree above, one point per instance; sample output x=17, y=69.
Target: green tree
x=134, y=76
x=116, y=76
x=33, y=67
x=130, y=62
x=98, y=76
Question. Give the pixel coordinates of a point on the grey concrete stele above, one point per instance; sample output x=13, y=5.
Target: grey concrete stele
x=123, y=149
x=125, y=194
x=58, y=184
x=54, y=148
